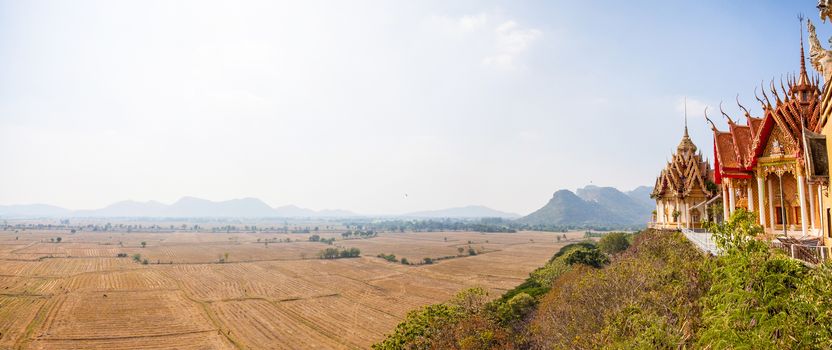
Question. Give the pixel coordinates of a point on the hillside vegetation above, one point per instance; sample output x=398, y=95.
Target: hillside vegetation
x=660, y=293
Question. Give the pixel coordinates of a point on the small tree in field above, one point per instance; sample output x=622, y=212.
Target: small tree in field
x=58, y=239
x=144, y=244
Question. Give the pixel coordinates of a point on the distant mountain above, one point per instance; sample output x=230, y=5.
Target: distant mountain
x=592, y=206
x=32, y=210
x=467, y=212
x=619, y=203
x=292, y=211
x=186, y=207
x=126, y=209
x=642, y=194
x=197, y=207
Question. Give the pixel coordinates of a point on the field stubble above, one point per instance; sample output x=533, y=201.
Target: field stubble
x=78, y=294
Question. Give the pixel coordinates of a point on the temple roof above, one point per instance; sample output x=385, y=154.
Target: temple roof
x=737, y=150
x=686, y=174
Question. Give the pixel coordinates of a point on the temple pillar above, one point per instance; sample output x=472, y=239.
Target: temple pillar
x=659, y=211
x=811, y=207
x=823, y=232
x=725, y=212
x=761, y=201
x=771, y=204
x=731, y=197
x=750, y=197
x=675, y=209
x=801, y=192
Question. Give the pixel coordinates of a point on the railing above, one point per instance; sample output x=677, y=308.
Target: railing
x=813, y=254
x=702, y=239
x=794, y=248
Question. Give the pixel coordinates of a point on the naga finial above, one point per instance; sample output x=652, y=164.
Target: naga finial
x=774, y=91
x=763, y=90
x=730, y=121
x=824, y=10
x=713, y=126
x=747, y=114
x=820, y=58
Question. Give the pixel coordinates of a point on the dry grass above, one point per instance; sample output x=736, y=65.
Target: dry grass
x=78, y=294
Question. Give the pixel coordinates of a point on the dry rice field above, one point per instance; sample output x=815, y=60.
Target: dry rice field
x=77, y=294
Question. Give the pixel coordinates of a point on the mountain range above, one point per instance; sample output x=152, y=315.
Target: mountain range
x=590, y=206
x=186, y=207
x=594, y=206
x=191, y=207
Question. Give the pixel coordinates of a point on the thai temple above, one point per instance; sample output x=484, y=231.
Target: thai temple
x=760, y=164
x=684, y=189
x=774, y=164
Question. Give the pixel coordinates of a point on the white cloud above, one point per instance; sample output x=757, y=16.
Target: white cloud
x=511, y=42
x=499, y=41
x=472, y=23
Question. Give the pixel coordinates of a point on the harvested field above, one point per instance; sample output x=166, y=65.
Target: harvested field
x=80, y=293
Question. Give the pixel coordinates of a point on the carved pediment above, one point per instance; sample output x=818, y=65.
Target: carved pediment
x=780, y=144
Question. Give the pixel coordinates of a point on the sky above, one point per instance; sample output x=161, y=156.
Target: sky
x=379, y=107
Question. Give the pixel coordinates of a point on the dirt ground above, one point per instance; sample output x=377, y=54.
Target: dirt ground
x=278, y=295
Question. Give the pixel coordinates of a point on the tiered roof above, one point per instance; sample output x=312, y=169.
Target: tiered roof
x=685, y=175
x=737, y=150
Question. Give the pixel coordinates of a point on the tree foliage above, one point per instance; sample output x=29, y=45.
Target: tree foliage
x=761, y=298
x=660, y=293
x=614, y=243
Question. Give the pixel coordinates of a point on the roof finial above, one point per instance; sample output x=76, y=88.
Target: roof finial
x=686, y=116
x=713, y=126
x=730, y=121
x=804, y=78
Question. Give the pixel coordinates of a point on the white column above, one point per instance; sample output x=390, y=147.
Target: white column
x=731, y=200
x=750, y=196
x=771, y=204
x=761, y=201
x=675, y=209
x=685, y=213
x=811, y=207
x=725, y=213
x=822, y=213
x=659, y=211
x=801, y=192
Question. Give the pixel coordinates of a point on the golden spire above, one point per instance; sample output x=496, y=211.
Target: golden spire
x=804, y=78
x=686, y=116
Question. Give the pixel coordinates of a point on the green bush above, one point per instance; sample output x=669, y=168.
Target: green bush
x=614, y=243
x=592, y=257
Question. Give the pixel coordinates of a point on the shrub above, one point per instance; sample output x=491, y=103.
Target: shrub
x=614, y=243
x=390, y=257
x=592, y=257
x=516, y=308
x=659, y=279
x=420, y=327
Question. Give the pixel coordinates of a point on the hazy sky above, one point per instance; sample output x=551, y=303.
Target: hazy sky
x=353, y=104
